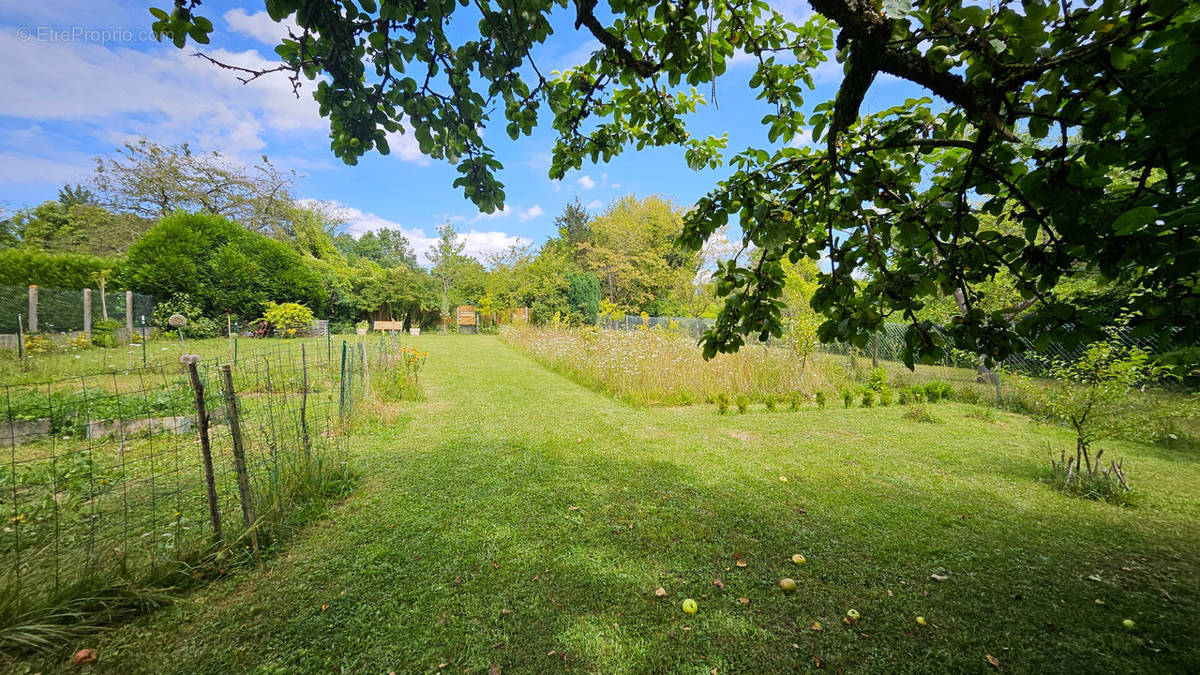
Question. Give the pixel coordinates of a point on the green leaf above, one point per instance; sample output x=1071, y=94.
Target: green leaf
x=1133, y=219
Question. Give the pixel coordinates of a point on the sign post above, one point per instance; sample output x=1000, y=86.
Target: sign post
x=467, y=319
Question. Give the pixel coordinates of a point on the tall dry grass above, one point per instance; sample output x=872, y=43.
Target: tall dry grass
x=660, y=367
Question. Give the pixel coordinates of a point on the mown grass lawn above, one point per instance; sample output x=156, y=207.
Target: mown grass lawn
x=519, y=520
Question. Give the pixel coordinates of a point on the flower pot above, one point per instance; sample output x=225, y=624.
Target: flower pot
x=414, y=331
x=360, y=331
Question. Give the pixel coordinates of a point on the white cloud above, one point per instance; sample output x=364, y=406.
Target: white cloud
x=259, y=26
x=586, y=182
x=405, y=146
x=594, y=205
x=477, y=244
x=531, y=213
x=23, y=169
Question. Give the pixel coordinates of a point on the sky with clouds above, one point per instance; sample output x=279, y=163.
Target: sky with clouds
x=80, y=77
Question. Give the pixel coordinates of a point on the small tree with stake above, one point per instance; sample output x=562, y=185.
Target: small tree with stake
x=1096, y=396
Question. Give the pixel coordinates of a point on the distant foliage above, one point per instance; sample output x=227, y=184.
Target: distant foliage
x=22, y=267
x=198, y=325
x=288, y=318
x=221, y=266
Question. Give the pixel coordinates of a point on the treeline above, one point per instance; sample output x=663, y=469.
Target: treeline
x=210, y=237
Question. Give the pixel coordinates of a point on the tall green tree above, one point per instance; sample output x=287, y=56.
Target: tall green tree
x=897, y=192
x=448, y=264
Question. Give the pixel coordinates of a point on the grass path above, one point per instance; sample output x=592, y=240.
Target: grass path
x=520, y=520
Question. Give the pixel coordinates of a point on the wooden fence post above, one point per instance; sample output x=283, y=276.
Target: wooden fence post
x=87, y=312
x=210, y=480
x=239, y=456
x=33, y=303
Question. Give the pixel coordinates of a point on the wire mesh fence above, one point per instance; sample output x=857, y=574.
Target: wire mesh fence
x=122, y=475
x=888, y=344
x=61, y=310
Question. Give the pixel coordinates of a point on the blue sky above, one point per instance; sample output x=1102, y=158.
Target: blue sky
x=81, y=77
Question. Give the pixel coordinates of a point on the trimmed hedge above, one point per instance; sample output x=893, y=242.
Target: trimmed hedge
x=21, y=267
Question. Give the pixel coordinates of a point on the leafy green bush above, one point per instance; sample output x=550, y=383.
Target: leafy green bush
x=104, y=332
x=820, y=398
x=722, y=401
x=198, y=326
x=936, y=390
x=885, y=395
x=795, y=399
x=23, y=267
x=743, y=403
x=847, y=398
x=877, y=379
x=868, y=398
x=769, y=401
x=288, y=318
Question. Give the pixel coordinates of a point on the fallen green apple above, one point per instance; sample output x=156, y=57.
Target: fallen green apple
x=689, y=606
x=798, y=559
x=1129, y=624
x=787, y=584
x=852, y=613
x=920, y=621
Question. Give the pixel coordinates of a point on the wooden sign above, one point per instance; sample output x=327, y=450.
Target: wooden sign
x=389, y=325
x=466, y=315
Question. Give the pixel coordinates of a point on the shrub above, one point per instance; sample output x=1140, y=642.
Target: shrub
x=916, y=394
x=877, y=379
x=868, y=398
x=198, y=326
x=1095, y=481
x=937, y=390
x=36, y=343
x=820, y=398
x=769, y=401
x=722, y=403
x=743, y=403
x=288, y=318
x=80, y=340
x=22, y=267
x=903, y=397
x=847, y=398
x=795, y=399
x=885, y=395
x=104, y=332
x=919, y=413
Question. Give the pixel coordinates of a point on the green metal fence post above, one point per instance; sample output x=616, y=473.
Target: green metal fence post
x=143, y=340
x=342, y=383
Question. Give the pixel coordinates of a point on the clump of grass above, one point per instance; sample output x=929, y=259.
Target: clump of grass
x=982, y=413
x=904, y=397
x=936, y=390
x=919, y=413
x=868, y=398
x=743, y=404
x=769, y=401
x=722, y=401
x=821, y=398
x=885, y=395
x=847, y=398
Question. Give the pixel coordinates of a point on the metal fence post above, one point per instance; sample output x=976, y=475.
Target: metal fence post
x=129, y=311
x=342, y=383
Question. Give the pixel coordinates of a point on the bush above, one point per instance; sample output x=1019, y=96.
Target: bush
x=820, y=398
x=903, y=397
x=868, y=398
x=916, y=394
x=36, y=343
x=877, y=380
x=288, y=319
x=198, y=325
x=885, y=395
x=722, y=403
x=795, y=399
x=847, y=398
x=769, y=401
x=22, y=267
x=937, y=390
x=104, y=332
x=743, y=403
